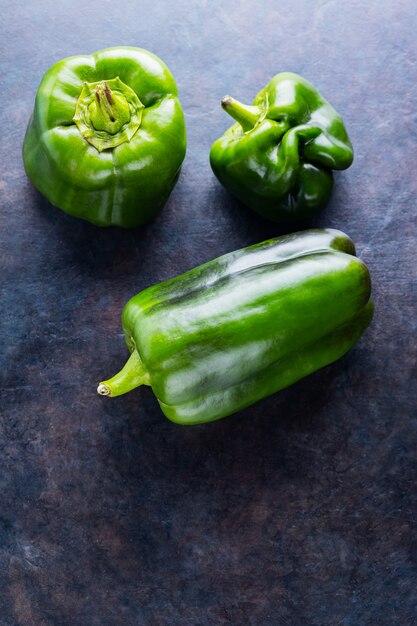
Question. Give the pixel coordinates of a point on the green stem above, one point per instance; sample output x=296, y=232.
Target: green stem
x=108, y=111
x=132, y=375
x=247, y=116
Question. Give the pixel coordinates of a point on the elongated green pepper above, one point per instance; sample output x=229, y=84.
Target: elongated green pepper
x=245, y=325
x=279, y=156
x=107, y=136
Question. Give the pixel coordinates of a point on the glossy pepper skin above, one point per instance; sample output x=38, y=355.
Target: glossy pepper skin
x=279, y=156
x=241, y=327
x=107, y=136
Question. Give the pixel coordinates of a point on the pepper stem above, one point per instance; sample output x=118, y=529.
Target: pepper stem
x=132, y=375
x=108, y=111
x=247, y=116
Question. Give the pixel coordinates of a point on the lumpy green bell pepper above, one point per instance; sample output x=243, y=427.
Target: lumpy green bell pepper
x=241, y=327
x=279, y=156
x=107, y=136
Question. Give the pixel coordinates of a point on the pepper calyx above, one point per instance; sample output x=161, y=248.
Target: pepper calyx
x=108, y=113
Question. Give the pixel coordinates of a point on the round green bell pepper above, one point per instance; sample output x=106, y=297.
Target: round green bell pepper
x=107, y=136
x=279, y=156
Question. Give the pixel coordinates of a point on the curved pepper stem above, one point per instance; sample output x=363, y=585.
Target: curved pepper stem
x=132, y=375
x=247, y=116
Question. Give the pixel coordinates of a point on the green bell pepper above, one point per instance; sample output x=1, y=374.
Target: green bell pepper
x=241, y=327
x=107, y=136
x=279, y=156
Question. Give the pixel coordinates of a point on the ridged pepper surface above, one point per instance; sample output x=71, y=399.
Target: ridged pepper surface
x=107, y=136
x=245, y=325
x=279, y=156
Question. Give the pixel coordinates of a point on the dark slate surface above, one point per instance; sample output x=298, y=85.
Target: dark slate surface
x=299, y=511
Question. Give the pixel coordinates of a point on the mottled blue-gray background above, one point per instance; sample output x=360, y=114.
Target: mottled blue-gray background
x=299, y=511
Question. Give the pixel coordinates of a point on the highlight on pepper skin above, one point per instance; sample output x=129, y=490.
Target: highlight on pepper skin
x=107, y=136
x=241, y=327
x=278, y=157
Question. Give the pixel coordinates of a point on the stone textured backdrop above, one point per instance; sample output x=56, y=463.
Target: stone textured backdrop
x=299, y=511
